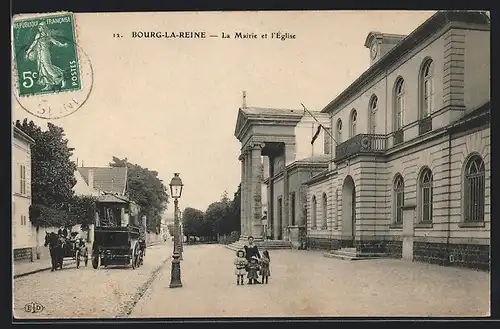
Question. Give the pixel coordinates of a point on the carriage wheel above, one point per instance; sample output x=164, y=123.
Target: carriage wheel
x=95, y=260
x=77, y=256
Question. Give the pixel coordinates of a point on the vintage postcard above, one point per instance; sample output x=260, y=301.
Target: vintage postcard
x=251, y=164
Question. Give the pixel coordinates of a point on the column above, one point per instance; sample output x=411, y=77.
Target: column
x=248, y=205
x=243, y=195
x=289, y=155
x=256, y=196
x=270, y=199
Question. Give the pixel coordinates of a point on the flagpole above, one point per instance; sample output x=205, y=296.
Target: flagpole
x=327, y=131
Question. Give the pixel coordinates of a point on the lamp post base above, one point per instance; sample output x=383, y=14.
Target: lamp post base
x=175, y=278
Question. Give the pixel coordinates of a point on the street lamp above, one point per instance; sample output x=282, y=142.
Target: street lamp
x=181, y=235
x=175, y=192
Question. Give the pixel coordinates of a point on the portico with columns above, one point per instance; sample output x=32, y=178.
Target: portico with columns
x=268, y=144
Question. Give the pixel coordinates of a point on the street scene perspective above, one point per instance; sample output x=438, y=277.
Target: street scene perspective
x=374, y=202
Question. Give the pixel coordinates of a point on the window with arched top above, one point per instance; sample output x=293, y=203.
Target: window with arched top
x=399, y=104
x=426, y=88
x=398, y=202
x=425, y=196
x=324, y=212
x=353, y=119
x=474, y=189
x=373, y=113
x=338, y=133
x=313, y=212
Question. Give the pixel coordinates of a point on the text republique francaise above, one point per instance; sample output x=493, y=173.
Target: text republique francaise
x=203, y=35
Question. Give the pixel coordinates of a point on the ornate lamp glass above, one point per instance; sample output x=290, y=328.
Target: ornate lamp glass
x=176, y=186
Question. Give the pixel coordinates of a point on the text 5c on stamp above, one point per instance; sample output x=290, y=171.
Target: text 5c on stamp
x=46, y=55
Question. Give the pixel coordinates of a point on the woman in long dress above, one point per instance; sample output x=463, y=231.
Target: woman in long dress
x=48, y=74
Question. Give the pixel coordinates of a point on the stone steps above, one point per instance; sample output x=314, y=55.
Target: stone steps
x=267, y=244
x=352, y=254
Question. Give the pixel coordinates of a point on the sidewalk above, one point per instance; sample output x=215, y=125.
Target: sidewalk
x=23, y=268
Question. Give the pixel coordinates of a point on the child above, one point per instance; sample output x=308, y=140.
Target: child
x=264, y=266
x=252, y=269
x=240, y=262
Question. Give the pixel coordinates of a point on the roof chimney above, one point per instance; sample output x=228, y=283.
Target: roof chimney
x=244, y=99
x=91, y=179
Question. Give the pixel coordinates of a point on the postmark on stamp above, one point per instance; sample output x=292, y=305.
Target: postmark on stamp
x=46, y=55
x=52, y=75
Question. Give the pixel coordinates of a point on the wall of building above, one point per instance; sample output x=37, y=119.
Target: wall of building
x=278, y=190
x=477, y=68
x=475, y=82
x=305, y=130
x=21, y=229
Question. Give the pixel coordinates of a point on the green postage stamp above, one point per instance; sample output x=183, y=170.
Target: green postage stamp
x=46, y=55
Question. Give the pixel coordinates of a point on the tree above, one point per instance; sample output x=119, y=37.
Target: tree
x=192, y=221
x=52, y=173
x=214, y=217
x=83, y=209
x=229, y=218
x=235, y=212
x=147, y=190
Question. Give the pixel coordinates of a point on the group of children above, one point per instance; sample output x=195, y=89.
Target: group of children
x=252, y=267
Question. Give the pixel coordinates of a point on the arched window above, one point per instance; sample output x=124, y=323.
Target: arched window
x=352, y=128
x=313, y=212
x=339, y=131
x=474, y=189
x=399, y=104
x=325, y=212
x=373, y=114
x=398, y=199
x=426, y=89
x=425, y=196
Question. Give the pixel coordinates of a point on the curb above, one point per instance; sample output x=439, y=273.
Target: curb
x=39, y=270
x=129, y=307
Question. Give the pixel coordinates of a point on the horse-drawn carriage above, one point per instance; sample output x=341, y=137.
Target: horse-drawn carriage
x=62, y=247
x=117, y=233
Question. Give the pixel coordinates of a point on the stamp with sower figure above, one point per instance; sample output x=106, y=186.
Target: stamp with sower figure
x=46, y=55
x=52, y=75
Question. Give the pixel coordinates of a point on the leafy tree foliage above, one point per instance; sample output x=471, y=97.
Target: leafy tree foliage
x=83, y=209
x=192, y=221
x=147, y=190
x=52, y=174
x=221, y=217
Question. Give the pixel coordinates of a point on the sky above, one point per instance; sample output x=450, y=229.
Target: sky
x=171, y=104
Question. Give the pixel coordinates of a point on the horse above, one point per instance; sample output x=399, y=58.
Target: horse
x=56, y=250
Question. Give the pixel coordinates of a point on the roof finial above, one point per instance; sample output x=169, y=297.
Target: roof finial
x=244, y=99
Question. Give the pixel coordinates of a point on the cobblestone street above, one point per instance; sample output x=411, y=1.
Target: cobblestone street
x=304, y=283
x=85, y=292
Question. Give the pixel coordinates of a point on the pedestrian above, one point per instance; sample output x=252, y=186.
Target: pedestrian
x=265, y=261
x=240, y=262
x=253, y=270
x=251, y=250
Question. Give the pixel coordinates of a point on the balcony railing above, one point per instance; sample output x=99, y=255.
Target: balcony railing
x=424, y=125
x=362, y=143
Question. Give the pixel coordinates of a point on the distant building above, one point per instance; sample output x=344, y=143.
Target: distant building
x=409, y=174
x=95, y=181
x=23, y=235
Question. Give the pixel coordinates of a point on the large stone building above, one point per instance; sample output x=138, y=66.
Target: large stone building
x=408, y=174
x=23, y=240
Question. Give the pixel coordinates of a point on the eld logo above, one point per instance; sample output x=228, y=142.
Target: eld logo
x=33, y=307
